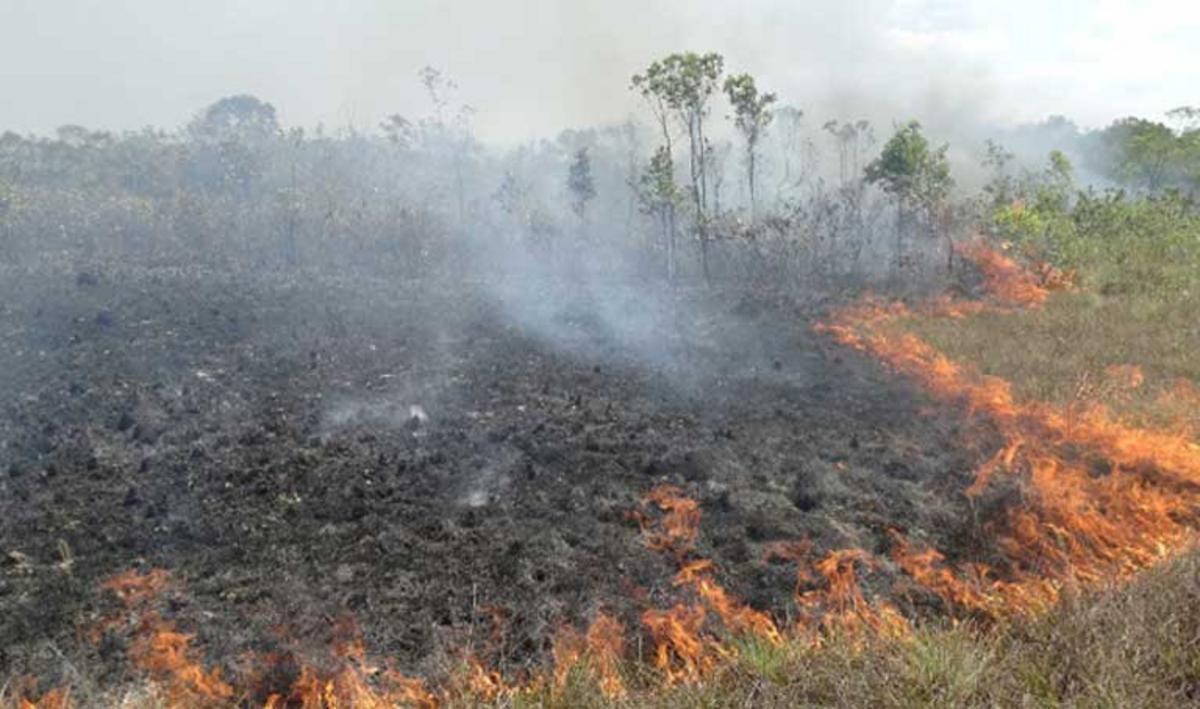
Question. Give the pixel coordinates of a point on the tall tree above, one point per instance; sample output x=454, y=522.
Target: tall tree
x=752, y=114
x=682, y=84
x=456, y=135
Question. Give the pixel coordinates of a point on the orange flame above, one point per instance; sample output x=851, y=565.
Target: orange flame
x=679, y=526
x=1004, y=279
x=599, y=651
x=830, y=598
x=1073, y=524
x=682, y=651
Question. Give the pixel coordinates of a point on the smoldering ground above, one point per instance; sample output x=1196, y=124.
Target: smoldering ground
x=513, y=492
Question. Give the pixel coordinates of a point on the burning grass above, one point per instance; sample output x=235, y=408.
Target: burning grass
x=1097, y=501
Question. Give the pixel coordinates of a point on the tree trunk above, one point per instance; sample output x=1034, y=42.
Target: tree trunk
x=750, y=176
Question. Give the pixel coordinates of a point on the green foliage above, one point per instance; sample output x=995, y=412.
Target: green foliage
x=656, y=184
x=910, y=170
x=1125, y=245
x=681, y=84
x=751, y=109
x=1116, y=242
x=1150, y=156
x=1032, y=211
x=8, y=199
x=682, y=81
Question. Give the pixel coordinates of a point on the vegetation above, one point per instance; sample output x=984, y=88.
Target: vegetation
x=752, y=112
x=233, y=187
x=1106, y=649
x=916, y=176
x=1136, y=264
x=1131, y=646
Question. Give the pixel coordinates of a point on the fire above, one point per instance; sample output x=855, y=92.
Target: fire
x=679, y=526
x=1005, y=280
x=736, y=617
x=159, y=648
x=830, y=598
x=682, y=650
x=686, y=649
x=58, y=698
x=599, y=652
x=687, y=646
x=179, y=678
x=1072, y=525
x=1097, y=500
x=967, y=592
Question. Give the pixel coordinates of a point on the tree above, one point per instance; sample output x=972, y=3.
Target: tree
x=915, y=175
x=439, y=87
x=580, y=183
x=1141, y=152
x=233, y=135
x=1187, y=121
x=457, y=136
x=1002, y=188
x=850, y=137
x=909, y=170
x=793, y=145
x=242, y=118
x=682, y=84
x=1186, y=118
x=398, y=130
x=752, y=114
x=658, y=195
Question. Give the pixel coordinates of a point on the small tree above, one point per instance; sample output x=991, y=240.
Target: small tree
x=752, y=114
x=580, y=183
x=1001, y=188
x=916, y=176
x=455, y=135
x=658, y=195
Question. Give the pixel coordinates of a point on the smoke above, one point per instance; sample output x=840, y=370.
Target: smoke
x=534, y=67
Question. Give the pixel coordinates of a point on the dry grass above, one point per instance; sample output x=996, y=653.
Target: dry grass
x=1122, y=647
x=1074, y=352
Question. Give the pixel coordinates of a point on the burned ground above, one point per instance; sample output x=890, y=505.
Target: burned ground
x=293, y=449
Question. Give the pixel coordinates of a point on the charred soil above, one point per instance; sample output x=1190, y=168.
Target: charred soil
x=294, y=449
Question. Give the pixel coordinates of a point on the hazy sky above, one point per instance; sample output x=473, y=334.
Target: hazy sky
x=532, y=67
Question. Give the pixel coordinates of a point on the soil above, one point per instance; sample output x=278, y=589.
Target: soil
x=294, y=448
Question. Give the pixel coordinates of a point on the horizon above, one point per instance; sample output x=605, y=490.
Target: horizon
x=957, y=67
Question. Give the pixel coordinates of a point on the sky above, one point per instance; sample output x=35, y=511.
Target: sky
x=533, y=67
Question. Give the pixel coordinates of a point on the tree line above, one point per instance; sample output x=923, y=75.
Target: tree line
x=753, y=195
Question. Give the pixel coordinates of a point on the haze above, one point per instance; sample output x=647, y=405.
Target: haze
x=534, y=67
